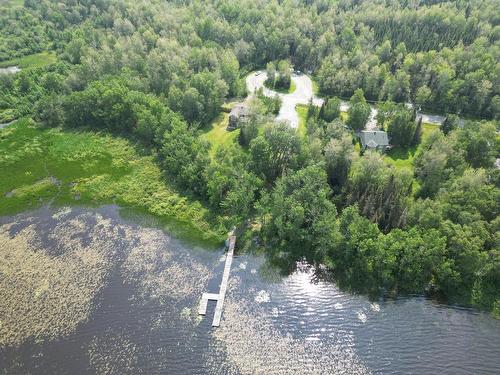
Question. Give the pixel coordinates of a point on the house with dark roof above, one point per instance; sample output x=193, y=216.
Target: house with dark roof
x=374, y=140
x=239, y=114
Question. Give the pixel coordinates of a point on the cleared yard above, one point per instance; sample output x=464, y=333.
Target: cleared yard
x=403, y=157
x=217, y=135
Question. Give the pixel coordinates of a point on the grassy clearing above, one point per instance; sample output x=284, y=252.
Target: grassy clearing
x=217, y=135
x=403, y=157
x=41, y=166
x=35, y=60
x=302, y=112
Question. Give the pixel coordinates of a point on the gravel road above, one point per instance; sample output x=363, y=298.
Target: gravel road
x=302, y=95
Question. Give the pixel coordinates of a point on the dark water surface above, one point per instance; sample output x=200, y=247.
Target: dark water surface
x=143, y=320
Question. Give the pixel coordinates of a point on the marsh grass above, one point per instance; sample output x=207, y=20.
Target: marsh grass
x=11, y=3
x=51, y=166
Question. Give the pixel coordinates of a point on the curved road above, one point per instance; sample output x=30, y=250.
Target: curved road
x=303, y=94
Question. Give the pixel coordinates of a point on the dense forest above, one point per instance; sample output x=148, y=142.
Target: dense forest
x=158, y=72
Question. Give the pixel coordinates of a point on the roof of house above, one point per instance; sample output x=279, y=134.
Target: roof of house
x=374, y=138
x=240, y=110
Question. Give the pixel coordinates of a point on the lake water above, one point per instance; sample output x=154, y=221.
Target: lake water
x=88, y=291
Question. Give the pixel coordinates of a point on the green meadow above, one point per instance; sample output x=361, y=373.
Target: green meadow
x=217, y=135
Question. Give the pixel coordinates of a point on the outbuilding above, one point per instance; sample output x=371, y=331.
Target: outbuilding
x=239, y=114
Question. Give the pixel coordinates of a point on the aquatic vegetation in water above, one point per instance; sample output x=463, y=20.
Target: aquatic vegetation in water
x=362, y=316
x=156, y=273
x=113, y=354
x=43, y=295
x=51, y=279
x=63, y=212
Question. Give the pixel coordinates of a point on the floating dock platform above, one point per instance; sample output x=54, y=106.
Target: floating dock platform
x=220, y=297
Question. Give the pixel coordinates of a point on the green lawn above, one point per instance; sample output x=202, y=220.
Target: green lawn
x=217, y=135
x=403, y=157
x=41, y=166
x=302, y=112
x=399, y=157
x=31, y=61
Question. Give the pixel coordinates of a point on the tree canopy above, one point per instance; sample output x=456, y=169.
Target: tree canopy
x=159, y=72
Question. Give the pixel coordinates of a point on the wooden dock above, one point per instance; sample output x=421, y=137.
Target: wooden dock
x=223, y=286
x=202, y=310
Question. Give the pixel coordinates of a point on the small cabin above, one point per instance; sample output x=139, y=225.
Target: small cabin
x=374, y=140
x=239, y=114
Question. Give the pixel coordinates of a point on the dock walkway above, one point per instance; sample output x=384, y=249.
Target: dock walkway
x=220, y=297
